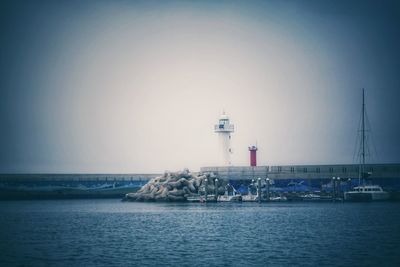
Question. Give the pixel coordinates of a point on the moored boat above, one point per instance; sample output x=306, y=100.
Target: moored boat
x=226, y=198
x=230, y=195
x=196, y=198
x=310, y=197
x=366, y=193
x=249, y=198
x=278, y=198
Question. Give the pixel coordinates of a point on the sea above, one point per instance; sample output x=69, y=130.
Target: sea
x=108, y=232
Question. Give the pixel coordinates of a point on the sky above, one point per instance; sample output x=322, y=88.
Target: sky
x=137, y=86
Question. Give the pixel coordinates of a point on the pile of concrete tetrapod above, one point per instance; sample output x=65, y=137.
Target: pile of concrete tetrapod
x=177, y=186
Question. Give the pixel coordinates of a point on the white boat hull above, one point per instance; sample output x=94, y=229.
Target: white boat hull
x=366, y=196
x=249, y=198
x=225, y=198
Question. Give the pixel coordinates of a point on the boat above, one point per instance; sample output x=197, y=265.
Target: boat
x=202, y=196
x=233, y=196
x=278, y=198
x=320, y=198
x=364, y=192
x=249, y=198
x=196, y=198
x=210, y=198
x=311, y=197
x=226, y=198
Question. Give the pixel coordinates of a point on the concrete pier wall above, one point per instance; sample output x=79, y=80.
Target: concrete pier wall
x=75, y=177
x=344, y=171
x=56, y=186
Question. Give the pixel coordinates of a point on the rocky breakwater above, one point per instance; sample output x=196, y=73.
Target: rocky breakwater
x=178, y=186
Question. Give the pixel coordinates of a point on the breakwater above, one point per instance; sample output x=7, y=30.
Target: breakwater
x=288, y=179
x=178, y=186
x=60, y=186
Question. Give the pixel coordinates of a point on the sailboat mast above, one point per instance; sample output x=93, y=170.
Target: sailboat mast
x=363, y=135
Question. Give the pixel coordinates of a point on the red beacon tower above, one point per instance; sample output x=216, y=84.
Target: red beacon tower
x=253, y=155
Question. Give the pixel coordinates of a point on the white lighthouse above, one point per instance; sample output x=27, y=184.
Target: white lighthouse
x=224, y=129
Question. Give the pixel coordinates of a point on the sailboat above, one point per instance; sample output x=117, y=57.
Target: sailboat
x=364, y=192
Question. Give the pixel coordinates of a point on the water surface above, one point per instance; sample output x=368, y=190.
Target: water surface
x=114, y=233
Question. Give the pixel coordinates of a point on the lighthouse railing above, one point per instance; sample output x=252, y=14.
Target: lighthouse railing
x=224, y=128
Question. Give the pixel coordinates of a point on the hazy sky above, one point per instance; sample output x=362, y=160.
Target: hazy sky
x=136, y=86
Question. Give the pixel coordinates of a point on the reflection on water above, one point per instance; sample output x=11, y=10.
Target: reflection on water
x=110, y=232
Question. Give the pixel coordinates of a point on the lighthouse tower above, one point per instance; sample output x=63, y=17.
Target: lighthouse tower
x=253, y=155
x=224, y=129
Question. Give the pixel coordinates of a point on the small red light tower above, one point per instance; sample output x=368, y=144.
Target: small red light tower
x=253, y=155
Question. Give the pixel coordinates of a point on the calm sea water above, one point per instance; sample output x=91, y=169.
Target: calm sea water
x=114, y=233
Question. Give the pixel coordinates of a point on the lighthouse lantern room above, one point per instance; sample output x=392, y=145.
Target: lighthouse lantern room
x=224, y=129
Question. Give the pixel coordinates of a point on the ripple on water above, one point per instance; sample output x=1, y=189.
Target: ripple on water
x=110, y=232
